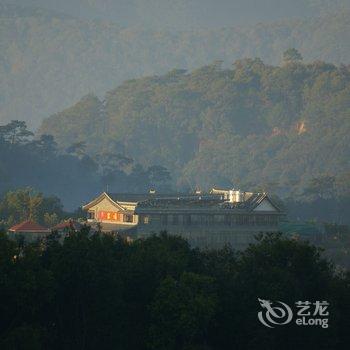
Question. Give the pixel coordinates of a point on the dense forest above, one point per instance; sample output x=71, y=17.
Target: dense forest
x=174, y=96
x=48, y=60
x=277, y=128
x=27, y=204
x=97, y=291
x=70, y=174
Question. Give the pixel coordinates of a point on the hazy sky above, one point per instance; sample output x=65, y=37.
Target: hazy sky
x=182, y=14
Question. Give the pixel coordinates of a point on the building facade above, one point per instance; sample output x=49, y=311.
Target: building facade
x=114, y=212
x=29, y=230
x=209, y=220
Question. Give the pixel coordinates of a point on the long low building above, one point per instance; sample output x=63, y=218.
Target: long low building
x=205, y=220
x=29, y=230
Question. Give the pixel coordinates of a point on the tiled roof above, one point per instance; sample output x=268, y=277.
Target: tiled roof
x=250, y=203
x=182, y=202
x=203, y=202
x=28, y=226
x=130, y=197
x=136, y=198
x=176, y=201
x=67, y=225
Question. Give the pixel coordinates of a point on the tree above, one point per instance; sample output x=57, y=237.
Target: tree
x=274, y=268
x=159, y=177
x=47, y=144
x=292, y=55
x=322, y=187
x=113, y=162
x=20, y=205
x=51, y=220
x=88, y=310
x=15, y=132
x=28, y=204
x=182, y=312
x=98, y=291
x=78, y=149
x=27, y=287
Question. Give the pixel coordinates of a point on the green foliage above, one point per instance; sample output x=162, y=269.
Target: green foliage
x=182, y=312
x=15, y=132
x=97, y=291
x=51, y=220
x=255, y=126
x=69, y=173
x=321, y=187
x=26, y=204
x=336, y=244
x=48, y=62
x=276, y=269
x=26, y=290
x=292, y=55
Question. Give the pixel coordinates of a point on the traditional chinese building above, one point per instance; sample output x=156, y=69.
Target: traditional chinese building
x=205, y=220
x=66, y=226
x=114, y=212
x=29, y=230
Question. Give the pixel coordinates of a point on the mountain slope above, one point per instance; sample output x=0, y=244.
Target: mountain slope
x=47, y=63
x=253, y=125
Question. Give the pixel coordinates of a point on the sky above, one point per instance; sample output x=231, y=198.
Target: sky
x=185, y=14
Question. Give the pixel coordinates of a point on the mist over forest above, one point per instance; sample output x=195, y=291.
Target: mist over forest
x=186, y=14
x=56, y=52
x=281, y=129
x=192, y=93
x=118, y=118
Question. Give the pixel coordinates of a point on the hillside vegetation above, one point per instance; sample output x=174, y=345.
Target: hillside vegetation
x=252, y=126
x=48, y=60
x=99, y=291
x=36, y=162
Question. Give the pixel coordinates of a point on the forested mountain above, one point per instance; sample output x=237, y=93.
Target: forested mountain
x=71, y=174
x=252, y=126
x=49, y=60
x=8, y=10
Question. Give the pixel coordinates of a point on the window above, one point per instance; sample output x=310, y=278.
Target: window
x=219, y=219
x=175, y=219
x=128, y=218
x=91, y=215
x=195, y=219
x=145, y=219
x=245, y=220
x=164, y=219
x=187, y=219
x=242, y=220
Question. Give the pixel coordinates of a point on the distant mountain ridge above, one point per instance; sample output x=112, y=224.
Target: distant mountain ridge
x=18, y=11
x=190, y=14
x=47, y=63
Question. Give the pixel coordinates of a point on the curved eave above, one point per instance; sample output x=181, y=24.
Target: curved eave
x=265, y=196
x=102, y=196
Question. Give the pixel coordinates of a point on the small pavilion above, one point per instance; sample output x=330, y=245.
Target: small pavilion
x=29, y=230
